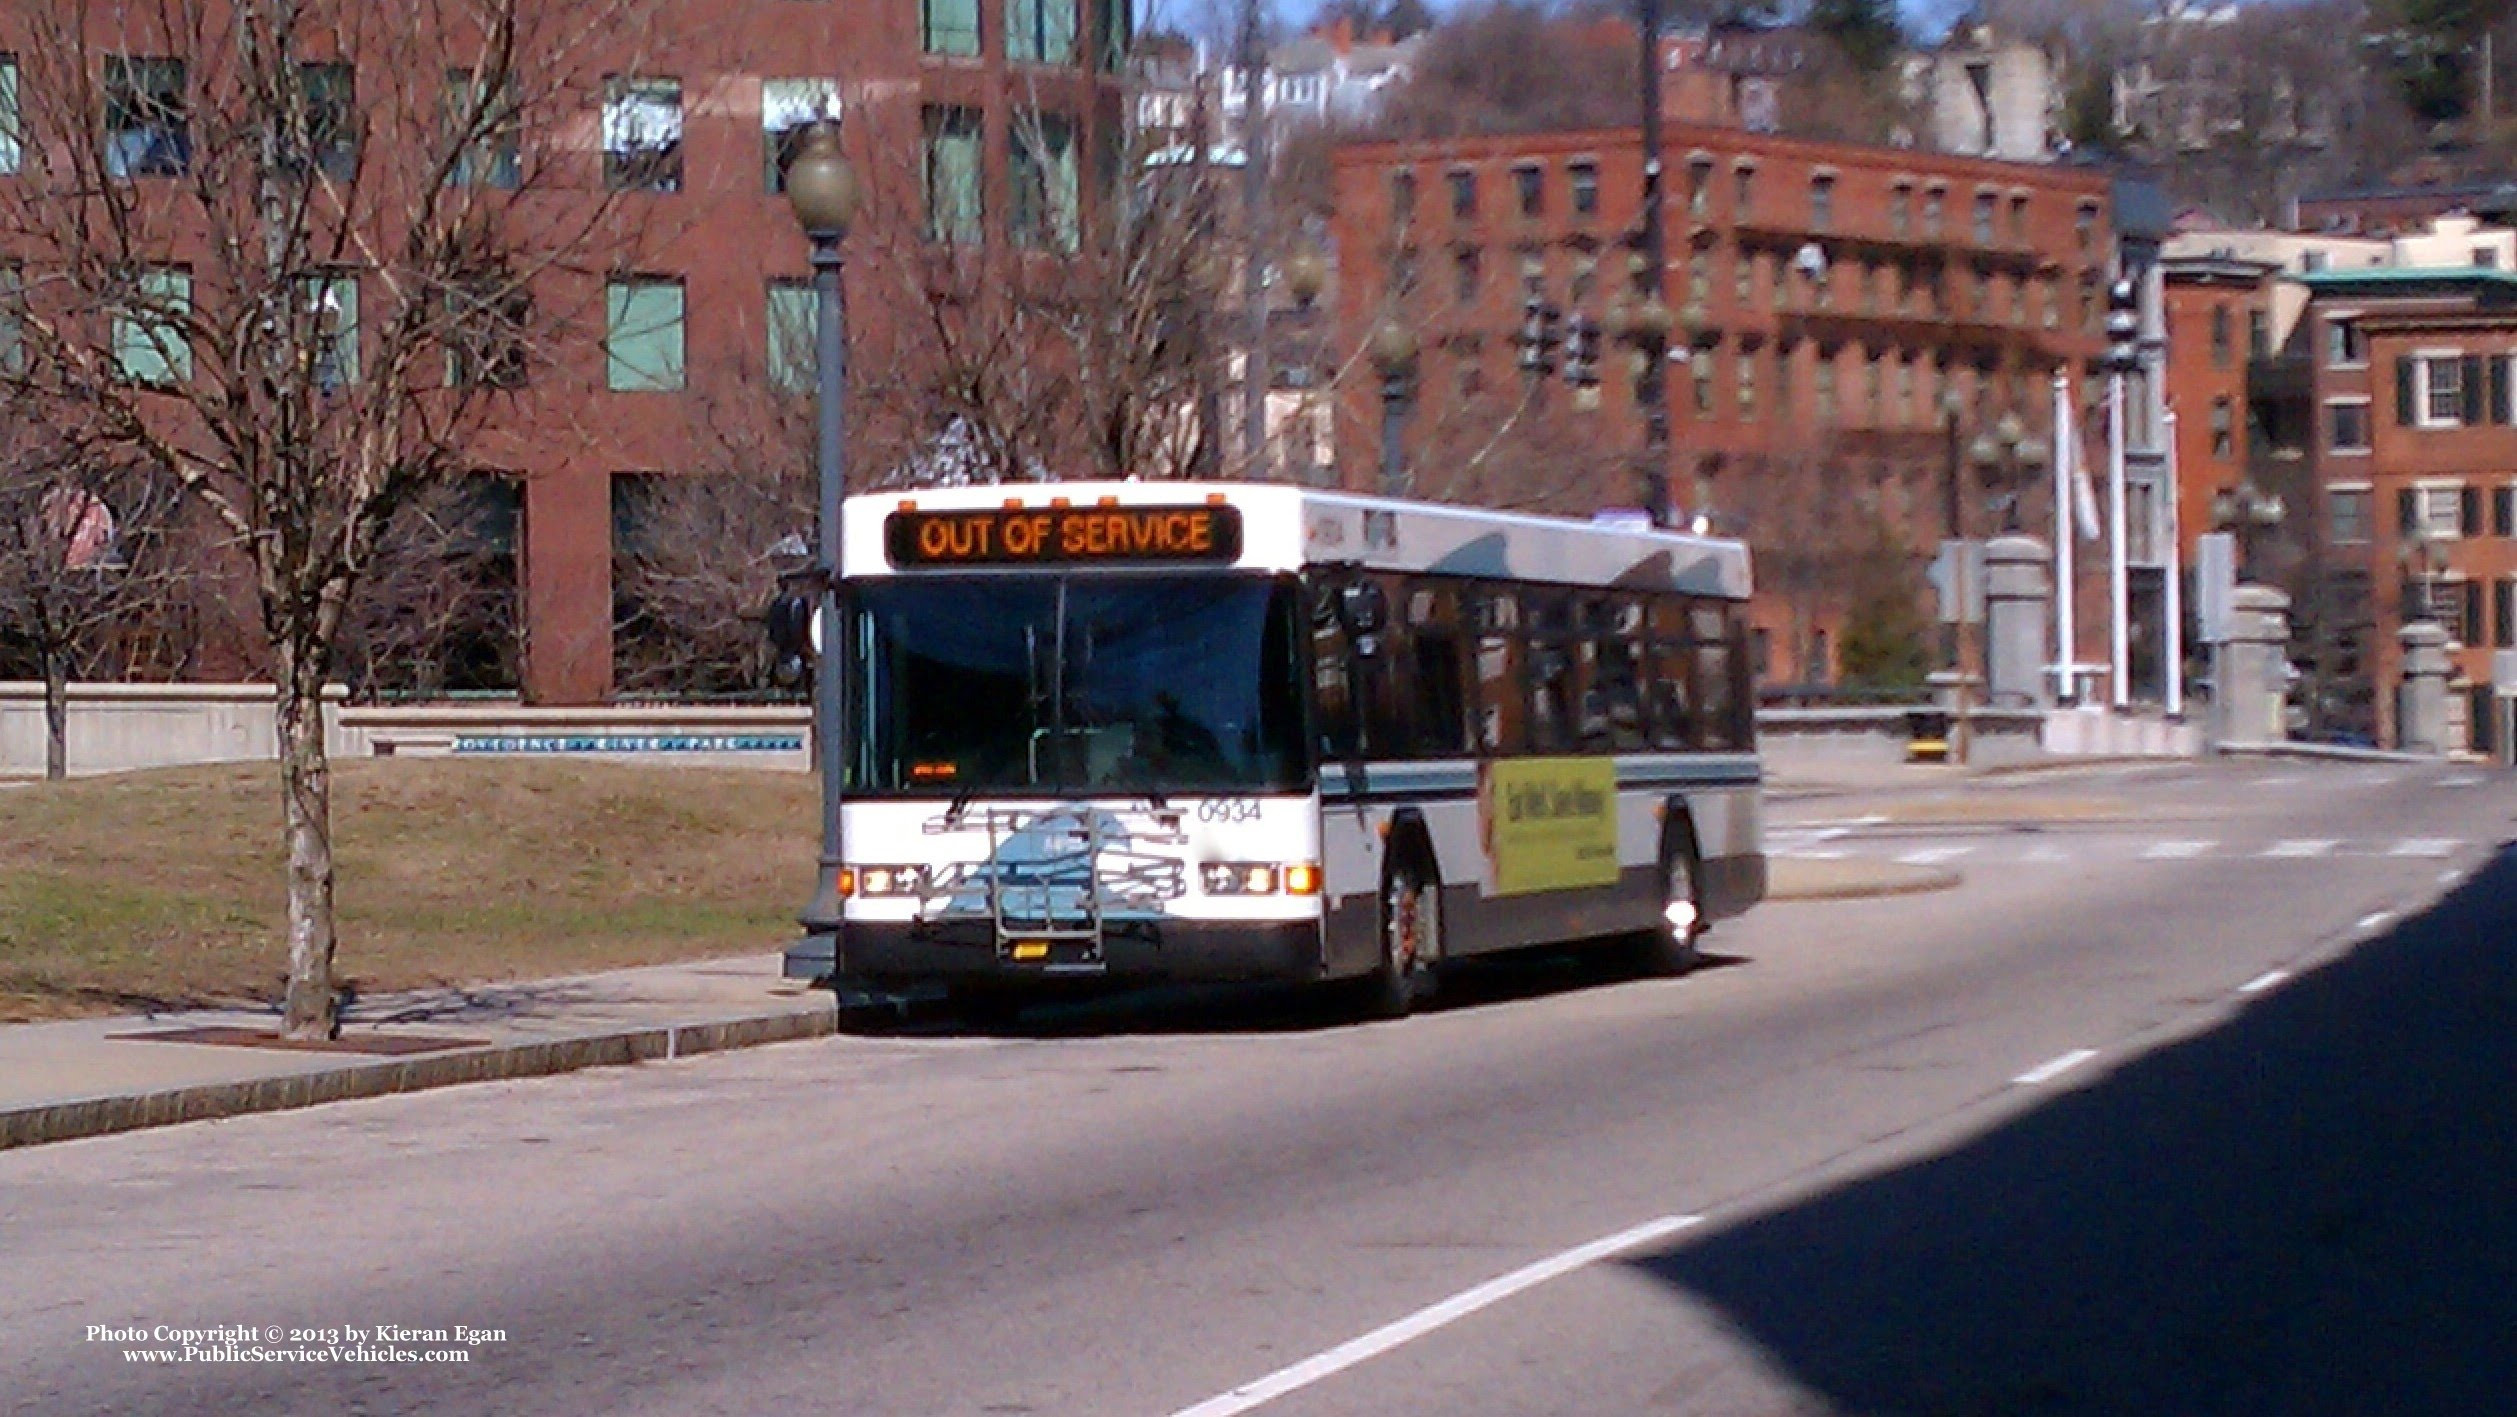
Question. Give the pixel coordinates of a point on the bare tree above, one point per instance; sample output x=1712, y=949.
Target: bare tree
x=83, y=557
x=1824, y=528
x=299, y=266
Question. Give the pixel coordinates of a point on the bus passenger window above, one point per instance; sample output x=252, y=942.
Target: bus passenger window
x=1332, y=671
x=1718, y=662
x=1620, y=637
x=1435, y=672
x=1554, y=672
x=1502, y=705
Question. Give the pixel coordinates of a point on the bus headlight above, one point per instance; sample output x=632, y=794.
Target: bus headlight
x=890, y=880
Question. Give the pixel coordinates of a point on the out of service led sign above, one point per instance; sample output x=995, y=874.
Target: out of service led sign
x=1026, y=536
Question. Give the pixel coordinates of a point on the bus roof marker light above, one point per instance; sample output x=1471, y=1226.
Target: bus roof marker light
x=1108, y=501
x=1216, y=499
x=1015, y=504
x=1054, y=502
x=908, y=504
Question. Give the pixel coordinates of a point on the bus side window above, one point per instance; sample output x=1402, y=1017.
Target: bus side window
x=1434, y=671
x=1332, y=672
x=1621, y=638
x=1554, y=671
x=1717, y=636
x=1385, y=692
x=1673, y=695
x=1502, y=703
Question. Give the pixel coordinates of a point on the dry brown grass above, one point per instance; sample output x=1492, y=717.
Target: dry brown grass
x=166, y=887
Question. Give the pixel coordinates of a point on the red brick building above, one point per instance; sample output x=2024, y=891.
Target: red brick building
x=1826, y=299
x=2219, y=321
x=683, y=136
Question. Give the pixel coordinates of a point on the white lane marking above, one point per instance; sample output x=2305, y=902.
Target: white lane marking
x=1432, y=1316
x=2283, y=781
x=2295, y=849
x=2462, y=779
x=2374, y=920
x=2269, y=979
x=2425, y=846
x=2176, y=850
x=2449, y=878
x=2053, y=1068
x=2047, y=853
x=1933, y=855
x=1829, y=854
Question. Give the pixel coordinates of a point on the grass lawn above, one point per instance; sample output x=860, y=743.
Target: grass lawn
x=167, y=887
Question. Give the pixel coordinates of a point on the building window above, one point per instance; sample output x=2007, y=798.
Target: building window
x=1821, y=203
x=12, y=142
x=1984, y=218
x=950, y=27
x=1463, y=193
x=2347, y=427
x=2223, y=430
x=1744, y=370
x=330, y=93
x=1823, y=387
x=642, y=337
x=12, y=318
x=1045, y=183
x=1584, y=177
x=1900, y=209
x=2436, y=510
x=954, y=211
x=1402, y=199
x=642, y=135
x=1040, y=31
x=2258, y=334
x=483, y=125
x=1468, y=272
x=1704, y=368
x=2504, y=511
x=794, y=332
x=1585, y=277
x=2346, y=510
x=332, y=345
x=2503, y=613
x=787, y=106
x=2084, y=228
x=1531, y=186
x=1743, y=193
x=2223, y=337
x=1699, y=187
x=2345, y=346
x=2435, y=390
x=2018, y=221
x=148, y=127
x=1931, y=211
x=1743, y=277
x=152, y=336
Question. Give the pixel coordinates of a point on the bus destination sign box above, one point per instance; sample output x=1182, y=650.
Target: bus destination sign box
x=1040, y=536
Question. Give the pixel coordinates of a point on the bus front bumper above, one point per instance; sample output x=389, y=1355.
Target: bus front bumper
x=965, y=952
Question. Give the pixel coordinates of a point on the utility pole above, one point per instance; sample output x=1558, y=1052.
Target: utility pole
x=1654, y=391
x=1254, y=162
x=1201, y=319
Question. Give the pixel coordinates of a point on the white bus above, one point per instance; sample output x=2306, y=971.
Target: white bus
x=1183, y=731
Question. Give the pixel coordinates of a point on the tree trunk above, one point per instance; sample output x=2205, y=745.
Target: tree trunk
x=56, y=716
x=313, y=1008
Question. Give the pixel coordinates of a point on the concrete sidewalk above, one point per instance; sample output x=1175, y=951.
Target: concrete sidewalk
x=88, y=1077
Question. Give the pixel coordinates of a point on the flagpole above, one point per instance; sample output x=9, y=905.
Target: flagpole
x=2175, y=587
x=2066, y=643
x=2119, y=615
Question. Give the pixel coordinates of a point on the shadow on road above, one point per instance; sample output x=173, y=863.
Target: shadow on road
x=2311, y=1209
x=1259, y=1008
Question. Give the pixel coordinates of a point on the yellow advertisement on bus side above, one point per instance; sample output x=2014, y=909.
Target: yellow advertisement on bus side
x=1550, y=824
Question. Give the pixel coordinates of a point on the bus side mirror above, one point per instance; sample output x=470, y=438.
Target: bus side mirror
x=790, y=621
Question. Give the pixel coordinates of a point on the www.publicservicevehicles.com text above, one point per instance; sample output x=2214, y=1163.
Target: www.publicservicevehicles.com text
x=283, y=1343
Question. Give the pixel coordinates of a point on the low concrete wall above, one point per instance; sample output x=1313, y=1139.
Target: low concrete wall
x=2099, y=732
x=119, y=727
x=1877, y=734
x=123, y=727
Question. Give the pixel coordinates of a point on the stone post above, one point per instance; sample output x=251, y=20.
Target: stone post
x=2421, y=702
x=2253, y=665
x=2017, y=596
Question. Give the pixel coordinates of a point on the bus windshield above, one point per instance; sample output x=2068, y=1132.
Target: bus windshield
x=1024, y=684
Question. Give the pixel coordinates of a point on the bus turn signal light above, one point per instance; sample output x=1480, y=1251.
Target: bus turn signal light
x=1303, y=879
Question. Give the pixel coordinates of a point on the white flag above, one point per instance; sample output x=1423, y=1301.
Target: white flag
x=2084, y=507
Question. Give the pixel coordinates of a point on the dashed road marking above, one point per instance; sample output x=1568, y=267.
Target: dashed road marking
x=2053, y=1068
x=2269, y=979
x=2425, y=846
x=2462, y=779
x=2301, y=847
x=2175, y=850
x=2374, y=920
x=1933, y=855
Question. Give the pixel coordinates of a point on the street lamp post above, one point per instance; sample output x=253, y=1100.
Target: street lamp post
x=822, y=190
x=1394, y=355
x=1655, y=253
x=1306, y=276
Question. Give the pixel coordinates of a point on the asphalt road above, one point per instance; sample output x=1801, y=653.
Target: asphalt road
x=2211, y=1128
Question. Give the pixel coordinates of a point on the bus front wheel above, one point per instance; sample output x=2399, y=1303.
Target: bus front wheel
x=1411, y=943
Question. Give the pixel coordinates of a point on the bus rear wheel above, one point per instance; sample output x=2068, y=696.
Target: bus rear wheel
x=1670, y=948
x=1411, y=944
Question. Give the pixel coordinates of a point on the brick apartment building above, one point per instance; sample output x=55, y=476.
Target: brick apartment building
x=688, y=127
x=2219, y=321
x=1825, y=298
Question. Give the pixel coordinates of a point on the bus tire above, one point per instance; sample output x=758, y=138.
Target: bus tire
x=1669, y=948
x=1411, y=939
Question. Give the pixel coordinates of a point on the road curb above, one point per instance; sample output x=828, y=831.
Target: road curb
x=102, y=1116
